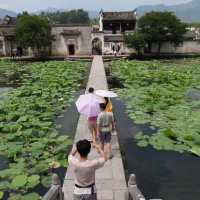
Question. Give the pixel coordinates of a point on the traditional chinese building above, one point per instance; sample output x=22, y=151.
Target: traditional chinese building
x=113, y=25
x=87, y=39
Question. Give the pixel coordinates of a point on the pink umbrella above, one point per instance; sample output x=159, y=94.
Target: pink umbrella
x=88, y=104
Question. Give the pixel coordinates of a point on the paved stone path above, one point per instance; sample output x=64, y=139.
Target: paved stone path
x=110, y=180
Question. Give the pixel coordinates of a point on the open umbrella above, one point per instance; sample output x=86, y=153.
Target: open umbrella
x=106, y=93
x=88, y=104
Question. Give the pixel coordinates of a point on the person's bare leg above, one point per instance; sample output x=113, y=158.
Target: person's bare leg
x=102, y=145
x=95, y=132
x=109, y=148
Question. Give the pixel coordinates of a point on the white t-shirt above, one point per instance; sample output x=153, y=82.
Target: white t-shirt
x=85, y=173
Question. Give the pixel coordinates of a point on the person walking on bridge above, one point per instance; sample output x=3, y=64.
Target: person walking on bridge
x=84, y=170
x=105, y=124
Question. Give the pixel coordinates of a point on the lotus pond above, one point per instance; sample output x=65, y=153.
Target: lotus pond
x=32, y=142
x=157, y=119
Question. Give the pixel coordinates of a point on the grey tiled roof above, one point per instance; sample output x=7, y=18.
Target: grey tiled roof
x=130, y=15
x=6, y=30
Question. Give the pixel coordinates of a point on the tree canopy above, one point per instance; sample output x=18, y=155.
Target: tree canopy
x=162, y=27
x=135, y=41
x=69, y=17
x=33, y=31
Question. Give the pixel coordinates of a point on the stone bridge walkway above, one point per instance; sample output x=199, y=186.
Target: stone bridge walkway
x=110, y=180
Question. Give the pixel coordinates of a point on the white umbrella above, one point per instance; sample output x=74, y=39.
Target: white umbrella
x=106, y=93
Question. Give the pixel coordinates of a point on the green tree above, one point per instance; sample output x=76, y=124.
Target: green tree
x=78, y=16
x=33, y=31
x=194, y=24
x=162, y=27
x=135, y=41
x=69, y=17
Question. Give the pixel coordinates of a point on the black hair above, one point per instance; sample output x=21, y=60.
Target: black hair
x=107, y=100
x=91, y=90
x=102, y=106
x=83, y=147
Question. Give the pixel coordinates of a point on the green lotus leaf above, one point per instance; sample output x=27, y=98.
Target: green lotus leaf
x=54, y=164
x=19, y=181
x=37, y=145
x=138, y=135
x=1, y=195
x=15, y=197
x=22, y=119
x=32, y=184
x=61, y=156
x=64, y=162
x=5, y=185
x=3, y=147
x=158, y=147
x=33, y=178
x=47, y=181
x=62, y=138
x=31, y=196
x=37, y=153
x=69, y=142
x=189, y=137
x=195, y=151
x=57, y=150
x=41, y=168
x=142, y=143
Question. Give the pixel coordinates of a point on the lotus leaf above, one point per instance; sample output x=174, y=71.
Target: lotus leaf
x=64, y=162
x=5, y=185
x=41, y=168
x=15, y=197
x=62, y=138
x=54, y=164
x=47, y=181
x=1, y=194
x=19, y=180
x=195, y=151
x=142, y=143
x=33, y=178
x=32, y=184
x=31, y=196
x=37, y=145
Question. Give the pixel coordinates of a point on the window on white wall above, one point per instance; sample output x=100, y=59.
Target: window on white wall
x=106, y=44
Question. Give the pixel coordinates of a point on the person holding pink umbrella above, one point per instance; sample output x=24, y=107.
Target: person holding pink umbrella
x=92, y=122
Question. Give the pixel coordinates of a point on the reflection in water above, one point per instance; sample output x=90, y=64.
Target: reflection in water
x=160, y=174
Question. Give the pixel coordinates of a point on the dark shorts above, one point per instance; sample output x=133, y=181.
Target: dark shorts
x=105, y=136
x=85, y=196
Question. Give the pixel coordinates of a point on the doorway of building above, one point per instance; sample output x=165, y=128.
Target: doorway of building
x=71, y=49
x=96, y=46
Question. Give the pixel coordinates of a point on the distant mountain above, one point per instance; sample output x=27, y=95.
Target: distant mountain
x=4, y=12
x=188, y=12
x=51, y=10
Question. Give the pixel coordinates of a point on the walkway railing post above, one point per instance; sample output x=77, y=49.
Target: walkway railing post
x=55, y=192
x=132, y=192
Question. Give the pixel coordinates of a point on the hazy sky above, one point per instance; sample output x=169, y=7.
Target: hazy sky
x=107, y=5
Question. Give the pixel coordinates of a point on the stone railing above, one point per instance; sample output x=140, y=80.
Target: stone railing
x=132, y=192
x=55, y=192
